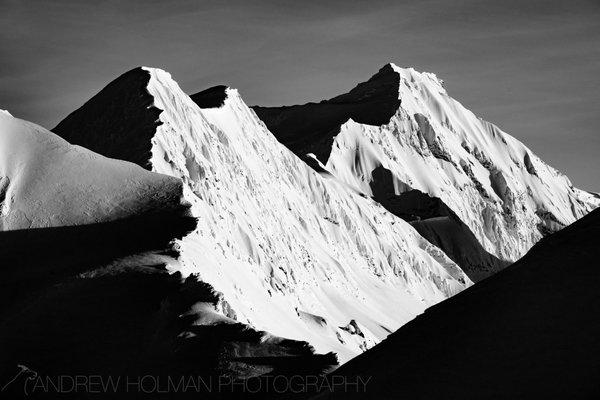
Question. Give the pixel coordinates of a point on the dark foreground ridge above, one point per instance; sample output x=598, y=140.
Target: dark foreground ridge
x=310, y=128
x=118, y=122
x=96, y=301
x=530, y=331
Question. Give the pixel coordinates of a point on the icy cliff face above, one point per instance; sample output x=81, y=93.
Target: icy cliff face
x=293, y=253
x=47, y=182
x=506, y=195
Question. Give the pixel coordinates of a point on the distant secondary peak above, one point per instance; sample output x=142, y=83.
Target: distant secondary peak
x=213, y=97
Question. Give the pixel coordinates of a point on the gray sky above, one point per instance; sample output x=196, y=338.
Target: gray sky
x=532, y=67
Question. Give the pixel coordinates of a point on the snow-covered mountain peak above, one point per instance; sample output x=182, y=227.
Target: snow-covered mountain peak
x=293, y=253
x=408, y=75
x=520, y=196
x=426, y=145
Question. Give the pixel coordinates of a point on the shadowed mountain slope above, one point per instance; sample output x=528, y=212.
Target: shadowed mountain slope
x=311, y=128
x=213, y=97
x=125, y=100
x=436, y=222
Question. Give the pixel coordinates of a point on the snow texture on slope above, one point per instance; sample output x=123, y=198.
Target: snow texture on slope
x=45, y=182
x=436, y=222
x=293, y=253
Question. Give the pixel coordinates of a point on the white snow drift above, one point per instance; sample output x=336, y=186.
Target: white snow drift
x=495, y=184
x=293, y=253
x=47, y=182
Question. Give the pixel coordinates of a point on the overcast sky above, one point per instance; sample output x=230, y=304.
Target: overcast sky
x=532, y=67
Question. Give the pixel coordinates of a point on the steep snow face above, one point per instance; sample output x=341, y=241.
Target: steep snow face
x=293, y=253
x=500, y=189
x=46, y=182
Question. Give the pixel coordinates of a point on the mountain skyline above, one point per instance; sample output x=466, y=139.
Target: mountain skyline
x=169, y=233
x=530, y=68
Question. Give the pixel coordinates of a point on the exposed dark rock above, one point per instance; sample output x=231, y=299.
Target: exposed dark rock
x=478, y=185
x=529, y=165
